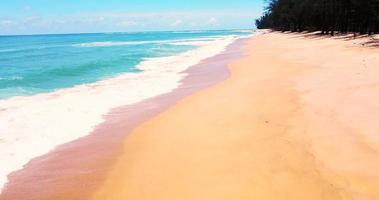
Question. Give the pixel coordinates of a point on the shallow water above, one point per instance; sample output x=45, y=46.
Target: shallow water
x=44, y=63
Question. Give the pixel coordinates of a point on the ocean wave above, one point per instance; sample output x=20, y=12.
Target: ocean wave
x=199, y=42
x=124, y=43
x=28, y=48
x=245, y=31
x=111, y=43
x=27, y=123
x=12, y=78
x=7, y=50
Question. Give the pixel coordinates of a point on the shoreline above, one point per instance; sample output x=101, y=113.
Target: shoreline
x=295, y=120
x=35, y=125
x=89, y=158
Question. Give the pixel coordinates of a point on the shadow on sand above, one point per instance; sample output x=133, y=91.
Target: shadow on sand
x=371, y=41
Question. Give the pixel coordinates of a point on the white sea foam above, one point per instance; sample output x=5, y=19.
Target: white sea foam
x=190, y=43
x=195, y=42
x=32, y=126
x=111, y=43
x=124, y=43
x=246, y=31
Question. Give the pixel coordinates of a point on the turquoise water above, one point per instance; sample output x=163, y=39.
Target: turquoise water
x=44, y=63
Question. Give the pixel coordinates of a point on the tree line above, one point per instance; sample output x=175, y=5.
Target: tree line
x=327, y=16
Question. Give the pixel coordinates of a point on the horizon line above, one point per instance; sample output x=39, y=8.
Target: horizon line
x=120, y=32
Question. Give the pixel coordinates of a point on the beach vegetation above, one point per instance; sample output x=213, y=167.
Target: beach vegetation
x=327, y=16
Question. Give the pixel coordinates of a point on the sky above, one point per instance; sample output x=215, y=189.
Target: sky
x=18, y=17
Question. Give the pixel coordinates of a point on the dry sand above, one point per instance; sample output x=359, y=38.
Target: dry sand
x=297, y=119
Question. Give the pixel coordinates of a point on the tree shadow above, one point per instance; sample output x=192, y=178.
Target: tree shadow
x=364, y=39
x=373, y=42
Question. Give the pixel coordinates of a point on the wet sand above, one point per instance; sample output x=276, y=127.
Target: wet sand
x=297, y=119
x=74, y=171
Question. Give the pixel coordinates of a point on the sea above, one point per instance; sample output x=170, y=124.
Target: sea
x=57, y=88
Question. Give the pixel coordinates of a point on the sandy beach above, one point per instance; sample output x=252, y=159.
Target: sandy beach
x=275, y=116
x=75, y=170
x=196, y=100
x=297, y=119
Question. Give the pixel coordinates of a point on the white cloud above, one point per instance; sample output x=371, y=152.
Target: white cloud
x=113, y=21
x=212, y=21
x=36, y=21
x=177, y=23
x=127, y=23
x=193, y=24
x=6, y=22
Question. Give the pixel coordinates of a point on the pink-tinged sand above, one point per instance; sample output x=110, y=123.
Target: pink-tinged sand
x=297, y=119
x=76, y=170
